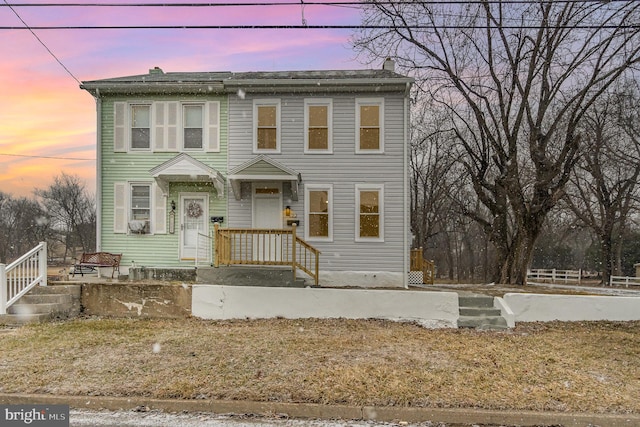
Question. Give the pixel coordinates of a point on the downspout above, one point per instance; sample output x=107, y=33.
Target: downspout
x=405, y=193
x=98, y=171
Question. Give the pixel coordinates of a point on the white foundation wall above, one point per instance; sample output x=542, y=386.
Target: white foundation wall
x=431, y=309
x=572, y=308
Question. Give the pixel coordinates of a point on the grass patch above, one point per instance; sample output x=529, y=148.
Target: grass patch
x=582, y=366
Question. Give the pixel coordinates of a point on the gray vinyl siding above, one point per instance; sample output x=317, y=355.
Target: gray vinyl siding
x=151, y=249
x=343, y=169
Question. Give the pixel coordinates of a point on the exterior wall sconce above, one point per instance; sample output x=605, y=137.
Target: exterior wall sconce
x=172, y=218
x=287, y=211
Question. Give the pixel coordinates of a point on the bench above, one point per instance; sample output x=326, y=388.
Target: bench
x=97, y=259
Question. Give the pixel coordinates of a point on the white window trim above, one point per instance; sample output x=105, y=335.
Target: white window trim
x=328, y=102
x=318, y=187
x=129, y=126
x=129, y=205
x=370, y=101
x=205, y=125
x=260, y=103
x=369, y=187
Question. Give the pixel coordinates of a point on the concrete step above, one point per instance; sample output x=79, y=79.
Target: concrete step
x=40, y=298
x=73, y=290
x=482, y=322
x=478, y=301
x=37, y=308
x=22, y=319
x=479, y=311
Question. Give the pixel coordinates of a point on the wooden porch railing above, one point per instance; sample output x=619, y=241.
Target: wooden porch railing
x=418, y=263
x=251, y=246
x=20, y=276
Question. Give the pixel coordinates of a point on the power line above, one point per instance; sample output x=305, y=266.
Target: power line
x=46, y=157
x=26, y=26
x=295, y=3
x=310, y=27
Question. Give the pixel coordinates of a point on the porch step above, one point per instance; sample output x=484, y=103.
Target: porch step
x=249, y=276
x=477, y=312
x=44, y=303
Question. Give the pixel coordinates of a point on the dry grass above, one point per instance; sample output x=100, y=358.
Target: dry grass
x=592, y=367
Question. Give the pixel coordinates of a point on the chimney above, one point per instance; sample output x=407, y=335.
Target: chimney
x=156, y=71
x=389, y=65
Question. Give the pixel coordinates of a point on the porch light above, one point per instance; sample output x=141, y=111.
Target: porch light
x=173, y=205
x=287, y=211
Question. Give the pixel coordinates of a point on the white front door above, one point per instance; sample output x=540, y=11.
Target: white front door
x=267, y=214
x=194, y=227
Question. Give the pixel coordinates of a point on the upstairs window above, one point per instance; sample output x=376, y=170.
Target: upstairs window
x=267, y=120
x=193, y=126
x=370, y=213
x=370, y=129
x=318, y=126
x=140, y=127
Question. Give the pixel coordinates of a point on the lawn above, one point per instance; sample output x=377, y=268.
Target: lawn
x=588, y=366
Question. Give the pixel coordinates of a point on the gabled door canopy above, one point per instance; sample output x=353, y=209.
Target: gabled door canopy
x=184, y=168
x=262, y=168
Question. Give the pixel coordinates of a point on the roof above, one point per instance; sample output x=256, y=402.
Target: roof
x=157, y=81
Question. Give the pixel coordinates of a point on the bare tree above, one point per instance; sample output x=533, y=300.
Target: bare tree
x=23, y=225
x=72, y=212
x=431, y=177
x=604, y=187
x=516, y=79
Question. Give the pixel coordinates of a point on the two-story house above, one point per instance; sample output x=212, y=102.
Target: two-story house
x=324, y=151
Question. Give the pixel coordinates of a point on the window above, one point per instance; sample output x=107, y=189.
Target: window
x=370, y=213
x=318, y=125
x=140, y=127
x=140, y=202
x=193, y=126
x=370, y=129
x=266, y=121
x=319, y=212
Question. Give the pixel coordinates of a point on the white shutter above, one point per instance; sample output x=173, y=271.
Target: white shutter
x=159, y=120
x=159, y=223
x=172, y=118
x=213, y=127
x=120, y=207
x=119, y=127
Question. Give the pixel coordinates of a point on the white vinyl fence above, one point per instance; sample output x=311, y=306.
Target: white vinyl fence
x=554, y=276
x=624, y=280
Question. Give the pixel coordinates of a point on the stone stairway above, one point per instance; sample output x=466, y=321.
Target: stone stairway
x=478, y=312
x=44, y=303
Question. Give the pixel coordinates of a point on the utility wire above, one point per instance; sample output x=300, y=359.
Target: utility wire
x=26, y=26
x=297, y=3
x=308, y=27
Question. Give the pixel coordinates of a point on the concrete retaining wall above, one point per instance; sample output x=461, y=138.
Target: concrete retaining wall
x=572, y=308
x=432, y=309
x=136, y=300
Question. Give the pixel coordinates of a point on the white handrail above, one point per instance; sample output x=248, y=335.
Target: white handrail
x=20, y=276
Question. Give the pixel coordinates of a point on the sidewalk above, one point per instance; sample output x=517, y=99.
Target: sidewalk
x=465, y=416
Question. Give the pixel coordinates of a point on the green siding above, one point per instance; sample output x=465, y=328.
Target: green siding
x=149, y=249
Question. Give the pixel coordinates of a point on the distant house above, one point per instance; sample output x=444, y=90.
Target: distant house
x=324, y=151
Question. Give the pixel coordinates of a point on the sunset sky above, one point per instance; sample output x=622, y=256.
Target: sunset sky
x=47, y=123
